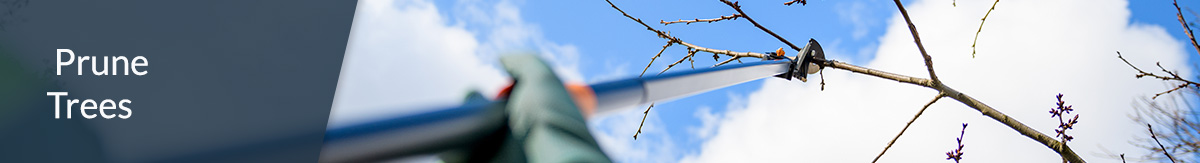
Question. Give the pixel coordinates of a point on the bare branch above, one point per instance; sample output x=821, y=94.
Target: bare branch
x=735, y=6
x=917, y=38
x=910, y=122
x=1160, y=67
x=661, y=34
x=669, y=43
x=1061, y=111
x=1151, y=128
x=676, y=40
x=730, y=17
x=727, y=61
x=644, y=115
x=981, y=21
x=1173, y=76
x=822, y=79
x=689, y=55
x=724, y=52
x=1051, y=142
x=881, y=74
x=1169, y=91
x=691, y=59
x=933, y=83
x=1182, y=130
x=957, y=153
x=1140, y=72
x=1188, y=30
x=802, y=2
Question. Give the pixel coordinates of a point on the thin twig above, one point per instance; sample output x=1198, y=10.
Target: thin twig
x=689, y=55
x=1188, y=30
x=910, y=122
x=1061, y=110
x=1141, y=73
x=737, y=7
x=917, y=38
x=1173, y=76
x=822, y=72
x=669, y=43
x=957, y=153
x=724, y=52
x=1160, y=67
x=692, y=50
x=727, y=61
x=981, y=21
x=661, y=34
x=802, y=2
x=667, y=35
x=692, y=60
x=1164, y=148
x=1169, y=91
x=644, y=115
x=686, y=22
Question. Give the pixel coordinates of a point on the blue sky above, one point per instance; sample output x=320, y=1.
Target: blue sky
x=593, y=42
x=616, y=39
x=609, y=41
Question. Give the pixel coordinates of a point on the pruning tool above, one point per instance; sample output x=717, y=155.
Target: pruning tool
x=458, y=126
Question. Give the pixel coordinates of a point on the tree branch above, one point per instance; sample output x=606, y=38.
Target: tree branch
x=802, y=2
x=1021, y=128
x=724, y=52
x=1173, y=76
x=644, y=115
x=727, y=61
x=1188, y=30
x=689, y=55
x=1164, y=148
x=669, y=43
x=910, y=122
x=661, y=34
x=957, y=153
x=981, y=21
x=735, y=6
x=730, y=17
x=917, y=38
x=675, y=40
x=1051, y=142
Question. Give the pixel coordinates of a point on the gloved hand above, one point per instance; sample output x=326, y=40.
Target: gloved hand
x=544, y=123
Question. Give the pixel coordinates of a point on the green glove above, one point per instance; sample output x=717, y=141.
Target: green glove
x=544, y=124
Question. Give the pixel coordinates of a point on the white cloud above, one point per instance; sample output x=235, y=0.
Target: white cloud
x=505, y=31
x=406, y=56
x=615, y=71
x=614, y=133
x=1028, y=52
x=855, y=13
x=402, y=55
x=708, y=123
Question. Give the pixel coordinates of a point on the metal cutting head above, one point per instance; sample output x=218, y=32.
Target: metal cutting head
x=805, y=62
